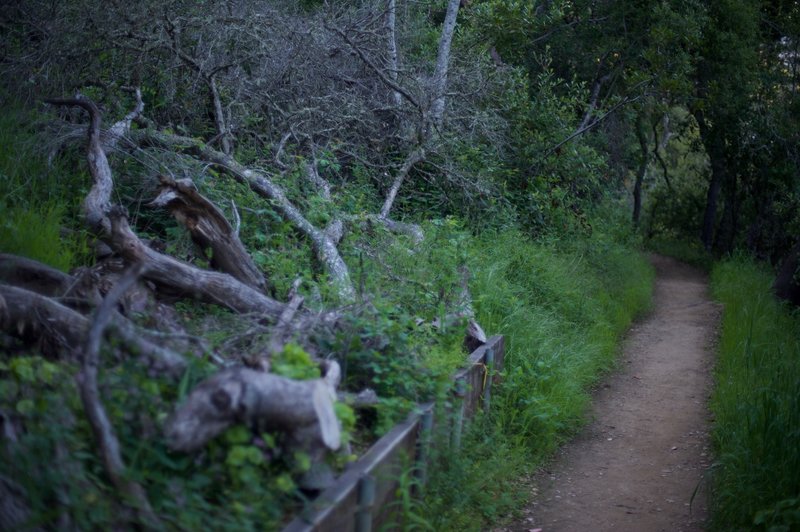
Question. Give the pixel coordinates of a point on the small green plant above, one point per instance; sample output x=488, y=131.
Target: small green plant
x=294, y=362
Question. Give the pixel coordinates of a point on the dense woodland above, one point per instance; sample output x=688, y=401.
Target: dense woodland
x=240, y=239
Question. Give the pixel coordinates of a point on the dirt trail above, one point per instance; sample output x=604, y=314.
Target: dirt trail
x=636, y=465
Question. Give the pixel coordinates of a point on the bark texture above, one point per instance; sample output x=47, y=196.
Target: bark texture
x=61, y=330
x=303, y=409
x=110, y=453
x=209, y=230
x=325, y=248
x=443, y=62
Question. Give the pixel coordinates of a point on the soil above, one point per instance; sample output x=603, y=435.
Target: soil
x=637, y=464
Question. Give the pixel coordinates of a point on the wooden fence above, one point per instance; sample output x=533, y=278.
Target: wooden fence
x=362, y=498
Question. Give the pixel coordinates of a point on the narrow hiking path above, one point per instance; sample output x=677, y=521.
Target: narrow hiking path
x=635, y=466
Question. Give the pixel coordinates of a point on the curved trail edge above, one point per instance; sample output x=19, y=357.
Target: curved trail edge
x=637, y=464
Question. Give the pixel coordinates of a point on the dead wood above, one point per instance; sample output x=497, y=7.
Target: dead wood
x=101, y=425
x=113, y=226
x=324, y=247
x=412, y=231
x=321, y=185
x=208, y=286
x=209, y=229
x=282, y=329
x=61, y=330
x=34, y=276
x=363, y=399
x=475, y=336
x=443, y=62
x=302, y=409
x=413, y=158
x=98, y=200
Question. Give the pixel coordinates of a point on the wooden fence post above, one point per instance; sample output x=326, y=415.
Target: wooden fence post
x=424, y=444
x=366, y=499
x=458, y=420
x=488, y=362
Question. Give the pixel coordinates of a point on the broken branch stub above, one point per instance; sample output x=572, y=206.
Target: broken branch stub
x=302, y=409
x=209, y=229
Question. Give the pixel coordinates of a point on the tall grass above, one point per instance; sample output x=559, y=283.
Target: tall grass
x=562, y=306
x=38, y=201
x=756, y=403
x=562, y=309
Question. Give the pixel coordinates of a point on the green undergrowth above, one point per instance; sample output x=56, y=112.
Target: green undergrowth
x=36, y=198
x=562, y=306
x=561, y=300
x=691, y=252
x=756, y=404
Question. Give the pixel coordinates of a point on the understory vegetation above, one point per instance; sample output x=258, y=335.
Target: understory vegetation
x=562, y=306
x=561, y=301
x=239, y=241
x=756, y=403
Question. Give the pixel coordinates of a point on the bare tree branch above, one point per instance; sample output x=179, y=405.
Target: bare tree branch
x=103, y=430
x=413, y=158
x=443, y=62
x=325, y=248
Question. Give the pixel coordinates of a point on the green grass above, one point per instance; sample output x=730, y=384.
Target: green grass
x=562, y=304
x=38, y=201
x=756, y=404
x=562, y=307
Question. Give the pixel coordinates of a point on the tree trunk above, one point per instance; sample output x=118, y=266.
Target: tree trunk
x=715, y=148
x=61, y=330
x=726, y=233
x=209, y=230
x=640, y=174
x=787, y=282
x=443, y=61
x=595, y=96
x=326, y=250
x=413, y=158
x=257, y=399
x=219, y=117
x=391, y=17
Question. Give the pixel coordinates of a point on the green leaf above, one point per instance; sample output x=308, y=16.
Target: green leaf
x=237, y=435
x=26, y=406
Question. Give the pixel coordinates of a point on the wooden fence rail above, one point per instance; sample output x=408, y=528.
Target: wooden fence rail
x=362, y=498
